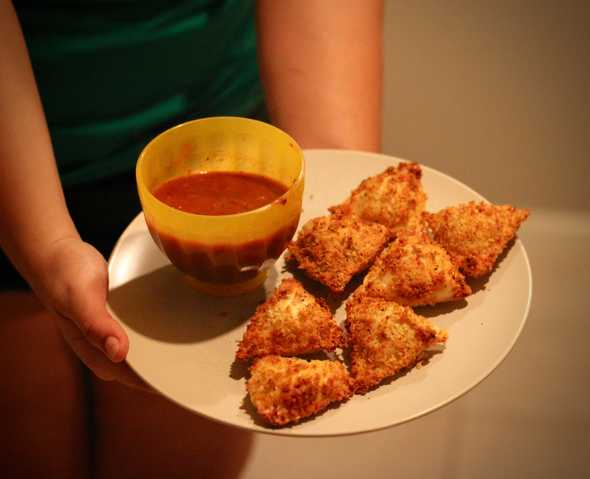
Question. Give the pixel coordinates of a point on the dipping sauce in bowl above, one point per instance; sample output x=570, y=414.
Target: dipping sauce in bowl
x=222, y=193
x=219, y=192
x=222, y=198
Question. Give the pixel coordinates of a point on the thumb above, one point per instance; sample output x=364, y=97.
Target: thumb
x=87, y=310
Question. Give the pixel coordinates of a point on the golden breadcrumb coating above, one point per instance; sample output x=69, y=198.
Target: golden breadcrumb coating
x=475, y=234
x=385, y=338
x=286, y=390
x=290, y=322
x=394, y=198
x=332, y=249
x=413, y=271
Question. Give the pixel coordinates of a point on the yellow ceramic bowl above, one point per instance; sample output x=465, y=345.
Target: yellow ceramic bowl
x=228, y=254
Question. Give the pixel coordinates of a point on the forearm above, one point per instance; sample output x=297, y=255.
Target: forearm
x=321, y=65
x=33, y=214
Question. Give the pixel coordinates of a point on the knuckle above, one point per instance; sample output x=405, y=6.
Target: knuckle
x=86, y=326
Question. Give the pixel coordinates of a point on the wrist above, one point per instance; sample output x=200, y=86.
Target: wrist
x=37, y=259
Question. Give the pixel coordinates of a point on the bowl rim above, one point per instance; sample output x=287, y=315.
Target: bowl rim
x=260, y=209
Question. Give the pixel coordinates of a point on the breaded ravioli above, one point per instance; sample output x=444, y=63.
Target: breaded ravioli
x=413, y=271
x=394, y=198
x=286, y=390
x=475, y=234
x=332, y=249
x=385, y=338
x=290, y=322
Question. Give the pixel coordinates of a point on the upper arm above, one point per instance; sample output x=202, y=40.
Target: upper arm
x=321, y=64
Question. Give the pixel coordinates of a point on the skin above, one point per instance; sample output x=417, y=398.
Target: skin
x=68, y=276
x=321, y=66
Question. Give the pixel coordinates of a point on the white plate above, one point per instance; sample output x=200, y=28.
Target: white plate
x=183, y=344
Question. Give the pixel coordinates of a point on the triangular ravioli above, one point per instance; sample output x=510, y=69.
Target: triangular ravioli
x=290, y=322
x=413, y=271
x=475, y=234
x=385, y=338
x=393, y=198
x=332, y=249
x=286, y=390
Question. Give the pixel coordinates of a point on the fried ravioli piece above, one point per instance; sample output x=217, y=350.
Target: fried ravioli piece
x=332, y=249
x=290, y=322
x=475, y=234
x=393, y=198
x=385, y=338
x=286, y=390
x=414, y=271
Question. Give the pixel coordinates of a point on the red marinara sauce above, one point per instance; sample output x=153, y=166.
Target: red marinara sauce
x=221, y=193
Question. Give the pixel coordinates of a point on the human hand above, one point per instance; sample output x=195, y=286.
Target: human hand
x=73, y=284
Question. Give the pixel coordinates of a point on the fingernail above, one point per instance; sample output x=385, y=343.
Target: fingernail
x=111, y=346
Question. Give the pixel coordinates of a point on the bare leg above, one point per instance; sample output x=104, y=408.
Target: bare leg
x=144, y=435
x=42, y=396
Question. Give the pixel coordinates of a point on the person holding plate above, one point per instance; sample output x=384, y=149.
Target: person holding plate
x=83, y=88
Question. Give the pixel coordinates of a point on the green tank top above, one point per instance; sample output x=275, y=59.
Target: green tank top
x=113, y=74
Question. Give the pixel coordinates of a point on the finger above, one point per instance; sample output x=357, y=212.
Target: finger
x=87, y=309
x=95, y=359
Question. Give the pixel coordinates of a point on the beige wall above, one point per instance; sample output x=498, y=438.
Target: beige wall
x=495, y=93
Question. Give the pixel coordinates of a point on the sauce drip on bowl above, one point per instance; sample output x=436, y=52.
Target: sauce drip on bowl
x=219, y=192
